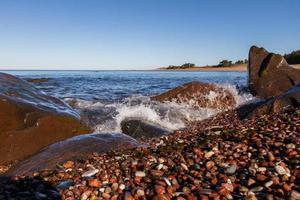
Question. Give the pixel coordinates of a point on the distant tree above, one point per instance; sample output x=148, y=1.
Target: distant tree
x=187, y=65
x=225, y=63
x=172, y=67
x=293, y=57
x=239, y=62
x=184, y=66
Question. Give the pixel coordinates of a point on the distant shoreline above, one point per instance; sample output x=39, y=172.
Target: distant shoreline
x=234, y=68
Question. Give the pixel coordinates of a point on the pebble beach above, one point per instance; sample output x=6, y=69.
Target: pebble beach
x=218, y=158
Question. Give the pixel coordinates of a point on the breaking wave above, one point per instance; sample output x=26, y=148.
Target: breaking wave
x=107, y=117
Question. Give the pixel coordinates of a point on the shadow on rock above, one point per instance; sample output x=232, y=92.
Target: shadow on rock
x=73, y=149
x=137, y=128
x=27, y=188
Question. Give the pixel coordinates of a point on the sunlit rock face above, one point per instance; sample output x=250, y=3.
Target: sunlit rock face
x=31, y=120
x=269, y=74
x=199, y=94
x=288, y=100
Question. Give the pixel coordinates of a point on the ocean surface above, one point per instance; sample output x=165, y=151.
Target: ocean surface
x=108, y=97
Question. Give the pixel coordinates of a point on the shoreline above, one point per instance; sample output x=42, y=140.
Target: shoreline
x=235, y=68
x=209, y=159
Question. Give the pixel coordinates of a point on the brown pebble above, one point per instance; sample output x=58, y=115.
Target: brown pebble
x=94, y=183
x=68, y=164
x=210, y=164
x=159, y=189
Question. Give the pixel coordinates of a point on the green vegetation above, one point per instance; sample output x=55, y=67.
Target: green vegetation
x=184, y=66
x=293, y=57
x=223, y=63
x=228, y=63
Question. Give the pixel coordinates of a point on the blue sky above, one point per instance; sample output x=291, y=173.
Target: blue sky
x=141, y=34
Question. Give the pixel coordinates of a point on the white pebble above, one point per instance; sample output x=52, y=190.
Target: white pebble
x=209, y=154
x=90, y=173
x=140, y=174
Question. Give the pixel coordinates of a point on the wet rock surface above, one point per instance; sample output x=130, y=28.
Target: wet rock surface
x=72, y=149
x=218, y=158
x=38, y=80
x=137, y=128
x=31, y=120
x=269, y=73
x=288, y=100
x=200, y=95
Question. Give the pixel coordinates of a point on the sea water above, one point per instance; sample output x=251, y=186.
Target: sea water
x=108, y=97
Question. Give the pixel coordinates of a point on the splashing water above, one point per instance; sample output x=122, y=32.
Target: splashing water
x=170, y=115
x=106, y=98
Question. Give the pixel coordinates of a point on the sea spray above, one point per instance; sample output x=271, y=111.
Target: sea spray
x=169, y=115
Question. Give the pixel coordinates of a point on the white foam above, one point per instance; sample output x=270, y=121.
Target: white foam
x=170, y=115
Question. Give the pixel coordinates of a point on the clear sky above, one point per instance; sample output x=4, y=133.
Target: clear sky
x=141, y=34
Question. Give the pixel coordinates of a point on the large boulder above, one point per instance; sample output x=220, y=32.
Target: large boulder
x=78, y=147
x=137, y=128
x=199, y=94
x=269, y=74
x=288, y=100
x=31, y=120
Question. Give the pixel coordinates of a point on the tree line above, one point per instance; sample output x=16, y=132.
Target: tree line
x=293, y=57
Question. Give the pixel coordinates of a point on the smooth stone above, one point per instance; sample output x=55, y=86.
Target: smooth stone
x=197, y=94
x=65, y=184
x=257, y=189
x=90, y=173
x=73, y=149
x=32, y=120
x=138, y=128
x=231, y=170
x=140, y=174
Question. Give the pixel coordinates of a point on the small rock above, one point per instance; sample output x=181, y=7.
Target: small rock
x=107, y=190
x=160, y=166
x=295, y=195
x=122, y=187
x=268, y=184
x=231, y=169
x=167, y=181
x=65, y=184
x=261, y=169
x=140, y=192
x=184, y=166
x=68, y=164
x=140, y=174
x=290, y=146
x=159, y=189
x=85, y=195
x=251, y=181
x=257, y=189
x=157, y=173
x=94, y=183
x=128, y=196
x=261, y=177
x=210, y=165
x=115, y=186
x=281, y=171
x=209, y=154
x=271, y=156
x=40, y=195
x=90, y=173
